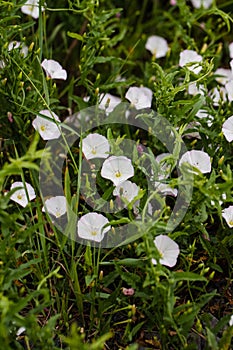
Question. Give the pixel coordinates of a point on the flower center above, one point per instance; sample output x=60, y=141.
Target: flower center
x=93, y=233
x=93, y=150
x=19, y=196
x=231, y=222
x=42, y=128
x=118, y=174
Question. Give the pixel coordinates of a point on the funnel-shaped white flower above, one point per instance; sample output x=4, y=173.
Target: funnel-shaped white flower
x=55, y=206
x=17, y=44
x=197, y=159
x=228, y=215
x=91, y=227
x=47, y=128
x=117, y=169
x=229, y=90
x=20, y=195
x=157, y=46
x=127, y=190
x=168, y=249
x=140, y=97
x=199, y=3
x=31, y=8
x=108, y=102
x=227, y=129
x=191, y=56
x=95, y=146
x=53, y=69
x=223, y=75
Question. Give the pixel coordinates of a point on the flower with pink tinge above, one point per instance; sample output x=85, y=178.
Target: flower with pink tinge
x=91, y=227
x=108, y=102
x=227, y=214
x=191, y=56
x=173, y=2
x=197, y=159
x=117, y=169
x=157, y=46
x=31, y=8
x=128, y=291
x=95, y=146
x=168, y=250
x=199, y=3
x=227, y=129
x=47, y=127
x=139, y=97
x=22, y=195
x=54, y=70
x=55, y=206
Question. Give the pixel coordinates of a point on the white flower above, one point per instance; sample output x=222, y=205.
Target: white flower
x=218, y=95
x=117, y=169
x=95, y=146
x=53, y=69
x=55, y=206
x=231, y=50
x=157, y=46
x=168, y=249
x=227, y=129
x=47, y=128
x=91, y=227
x=20, y=195
x=194, y=90
x=231, y=321
x=140, y=97
x=17, y=44
x=165, y=189
x=191, y=56
x=31, y=8
x=108, y=102
x=203, y=114
x=197, y=159
x=228, y=215
x=127, y=190
x=224, y=75
x=229, y=90
x=199, y=3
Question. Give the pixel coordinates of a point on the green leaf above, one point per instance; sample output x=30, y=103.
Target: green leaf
x=188, y=276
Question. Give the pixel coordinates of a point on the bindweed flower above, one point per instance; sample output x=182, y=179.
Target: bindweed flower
x=157, y=46
x=47, y=127
x=128, y=291
x=22, y=196
x=139, y=97
x=95, y=146
x=31, y=8
x=223, y=75
x=168, y=250
x=227, y=214
x=201, y=3
x=202, y=114
x=231, y=50
x=108, y=102
x=53, y=69
x=127, y=190
x=190, y=56
x=229, y=90
x=231, y=321
x=55, y=206
x=91, y=227
x=197, y=159
x=218, y=95
x=227, y=129
x=165, y=189
x=194, y=90
x=117, y=169
x=18, y=45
